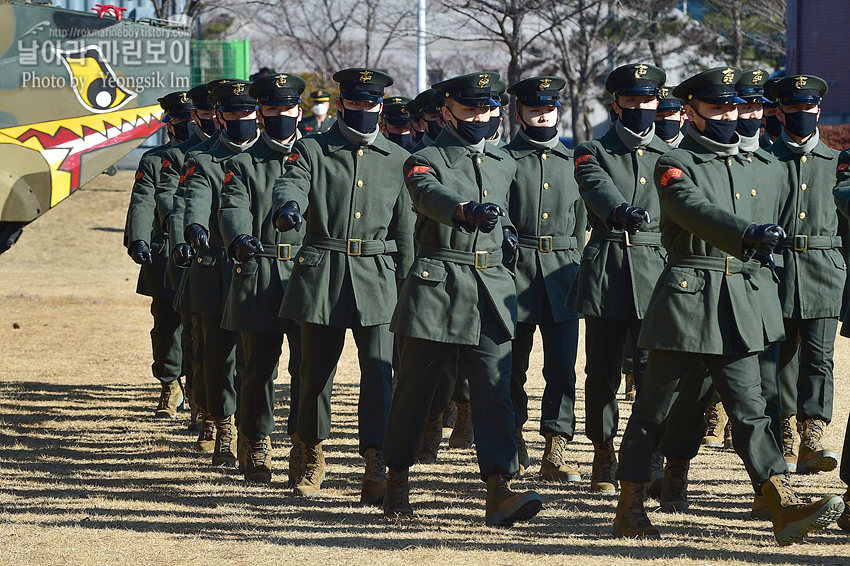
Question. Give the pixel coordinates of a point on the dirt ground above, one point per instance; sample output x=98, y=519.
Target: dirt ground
x=88, y=476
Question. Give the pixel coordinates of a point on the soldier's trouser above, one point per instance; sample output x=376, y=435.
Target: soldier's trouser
x=321, y=348
x=219, y=367
x=844, y=471
x=736, y=378
x=807, y=389
x=186, y=347
x=165, y=341
x=488, y=366
x=446, y=388
x=460, y=395
x=605, y=341
x=560, y=344
x=199, y=382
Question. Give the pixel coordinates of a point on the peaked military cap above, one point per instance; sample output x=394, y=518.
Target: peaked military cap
x=423, y=102
x=363, y=85
x=234, y=97
x=211, y=87
x=667, y=102
x=768, y=86
x=799, y=89
x=497, y=90
x=278, y=89
x=200, y=98
x=320, y=96
x=538, y=91
x=176, y=104
x=396, y=111
x=635, y=79
x=474, y=89
x=750, y=86
x=714, y=86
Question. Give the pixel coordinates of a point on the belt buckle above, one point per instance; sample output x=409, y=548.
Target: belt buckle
x=541, y=246
x=288, y=250
x=478, y=263
x=805, y=243
x=358, y=244
x=629, y=243
x=728, y=259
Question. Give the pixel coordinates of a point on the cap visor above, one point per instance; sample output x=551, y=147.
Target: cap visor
x=237, y=107
x=722, y=100
x=476, y=102
x=362, y=97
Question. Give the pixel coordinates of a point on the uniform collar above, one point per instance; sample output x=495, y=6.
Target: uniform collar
x=613, y=143
x=337, y=141
x=813, y=145
x=454, y=149
x=521, y=147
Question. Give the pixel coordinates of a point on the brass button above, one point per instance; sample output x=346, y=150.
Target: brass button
x=484, y=192
x=750, y=159
x=359, y=183
x=737, y=196
x=545, y=215
x=478, y=160
x=753, y=192
x=545, y=185
x=643, y=180
x=804, y=186
x=802, y=215
x=729, y=162
x=804, y=159
x=425, y=274
x=640, y=152
x=300, y=260
x=200, y=260
x=357, y=215
x=683, y=284
x=543, y=157
x=360, y=152
x=238, y=270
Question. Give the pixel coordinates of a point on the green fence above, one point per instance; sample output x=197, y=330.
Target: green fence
x=219, y=59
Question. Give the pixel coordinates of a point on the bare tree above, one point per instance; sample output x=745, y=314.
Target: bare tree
x=167, y=9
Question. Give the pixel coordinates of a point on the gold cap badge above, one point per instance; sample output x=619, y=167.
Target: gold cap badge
x=545, y=83
x=640, y=70
x=801, y=82
x=757, y=76
x=238, y=88
x=365, y=76
x=281, y=81
x=728, y=75
x=483, y=80
x=183, y=98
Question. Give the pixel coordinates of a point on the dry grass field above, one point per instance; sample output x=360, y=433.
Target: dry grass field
x=88, y=477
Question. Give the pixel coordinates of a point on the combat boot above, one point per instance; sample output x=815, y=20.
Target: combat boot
x=241, y=450
x=258, y=464
x=727, y=436
x=206, y=436
x=674, y=487
x=844, y=519
x=792, y=517
x=431, y=438
x=553, y=465
x=462, y=435
x=813, y=456
x=760, y=510
x=397, y=498
x=313, y=466
x=223, y=454
x=375, y=479
x=631, y=390
x=170, y=399
x=522, y=452
x=716, y=418
x=630, y=520
x=295, y=460
x=604, y=470
x=788, y=452
x=449, y=419
x=505, y=507
x=656, y=474
x=195, y=415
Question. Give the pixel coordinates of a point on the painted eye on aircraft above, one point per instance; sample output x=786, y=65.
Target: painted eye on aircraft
x=94, y=82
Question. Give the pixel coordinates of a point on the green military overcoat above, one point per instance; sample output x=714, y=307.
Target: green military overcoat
x=841, y=195
x=308, y=125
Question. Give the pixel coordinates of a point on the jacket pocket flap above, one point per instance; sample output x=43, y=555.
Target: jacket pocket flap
x=428, y=270
x=837, y=259
x=206, y=259
x=591, y=251
x=247, y=268
x=685, y=280
x=309, y=257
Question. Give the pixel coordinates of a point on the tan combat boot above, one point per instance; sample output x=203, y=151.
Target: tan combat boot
x=553, y=465
x=792, y=517
x=656, y=474
x=813, y=456
x=462, y=435
x=310, y=482
x=431, y=438
x=788, y=452
x=716, y=418
x=170, y=399
x=295, y=460
x=522, y=452
x=760, y=510
x=375, y=479
x=674, y=487
x=505, y=507
x=195, y=414
x=844, y=519
x=604, y=470
x=258, y=464
x=631, y=390
x=397, y=499
x=223, y=454
x=241, y=450
x=727, y=436
x=206, y=436
x=630, y=520
x=449, y=419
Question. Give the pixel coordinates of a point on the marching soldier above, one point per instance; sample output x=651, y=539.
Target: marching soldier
x=146, y=240
x=705, y=310
x=550, y=219
x=623, y=259
x=841, y=193
x=318, y=122
x=772, y=125
x=208, y=278
x=458, y=297
x=263, y=263
x=396, y=123
x=494, y=134
x=813, y=275
x=358, y=235
x=430, y=121
x=669, y=118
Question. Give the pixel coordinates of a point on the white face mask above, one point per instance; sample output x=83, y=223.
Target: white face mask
x=321, y=109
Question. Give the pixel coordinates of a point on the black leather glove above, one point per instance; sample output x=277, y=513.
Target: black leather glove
x=289, y=217
x=510, y=243
x=181, y=255
x=763, y=238
x=245, y=246
x=140, y=252
x=631, y=218
x=483, y=216
x=197, y=237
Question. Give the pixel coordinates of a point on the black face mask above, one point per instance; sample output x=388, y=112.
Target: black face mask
x=748, y=127
x=801, y=124
x=493, y=126
x=181, y=131
x=360, y=120
x=208, y=126
x=404, y=140
x=638, y=120
x=473, y=132
x=280, y=127
x=667, y=129
x=540, y=133
x=434, y=129
x=720, y=131
x=773, y=126
x=417, y=135
x=240, y=131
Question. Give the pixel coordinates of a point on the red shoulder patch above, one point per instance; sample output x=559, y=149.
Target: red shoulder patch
x=189, y=171
x=308, y=128
x=293, y=157
x=672, y=173
x=228, y=177
x=418, y=169
x=842, y=167
x=139, y=175
x=182, y=179
x=166, y=163
x=582, y=159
